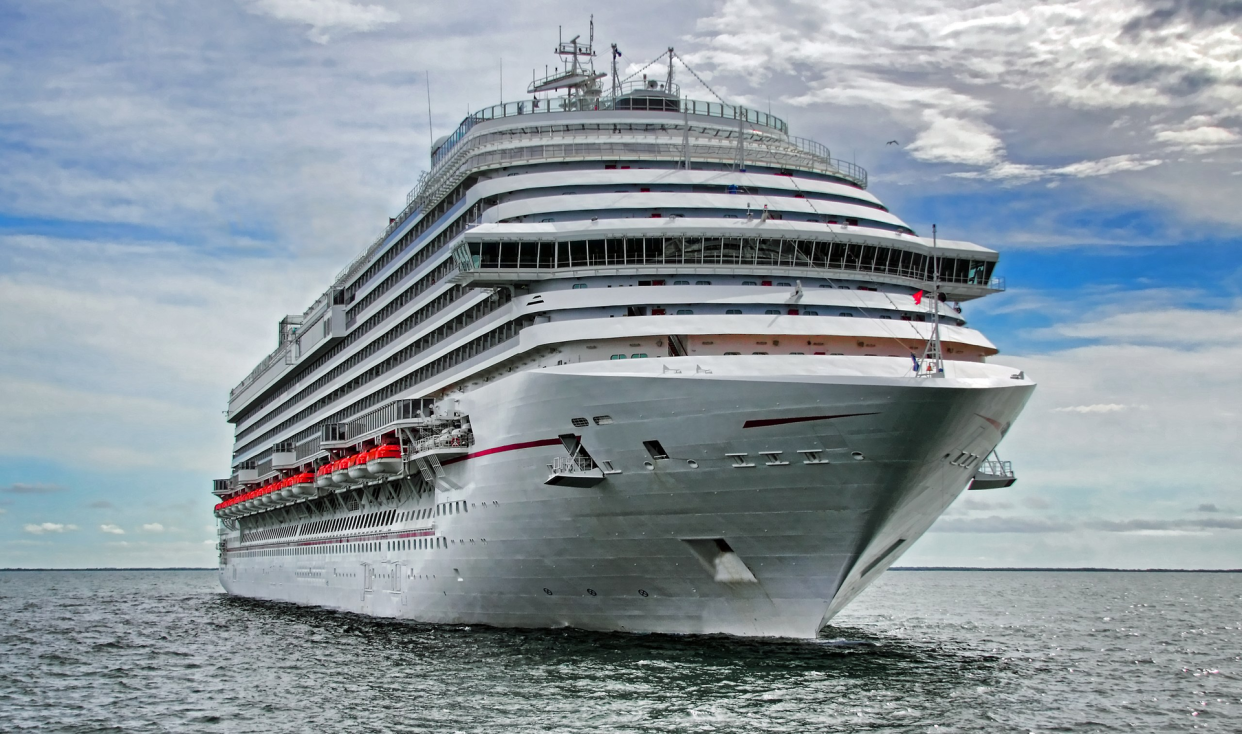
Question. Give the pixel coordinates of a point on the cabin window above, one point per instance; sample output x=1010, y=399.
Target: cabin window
x=729, y=354
x=579, y=285
x=602, y=420
x=617, y=356
x=749, y=282
x=846, y=313
x=681, y=282
x=702, y=282
x=733, y=311
x=639, y=356
x=773, y=312
x=812, y=313
x=684, y=312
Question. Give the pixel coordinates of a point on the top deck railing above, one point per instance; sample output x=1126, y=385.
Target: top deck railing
x=556, y=105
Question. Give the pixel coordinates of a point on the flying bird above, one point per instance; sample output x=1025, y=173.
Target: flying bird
x=892, y=142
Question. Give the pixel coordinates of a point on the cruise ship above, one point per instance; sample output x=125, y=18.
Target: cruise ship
x=627, y=360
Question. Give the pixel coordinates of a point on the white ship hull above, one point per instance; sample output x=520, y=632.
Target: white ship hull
x=811, y=529
x=626, y=360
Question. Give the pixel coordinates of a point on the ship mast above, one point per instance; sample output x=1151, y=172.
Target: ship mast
x=577, y=76
x=932, y=350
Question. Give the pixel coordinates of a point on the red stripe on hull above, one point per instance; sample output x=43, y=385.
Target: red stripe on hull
x=502, y=449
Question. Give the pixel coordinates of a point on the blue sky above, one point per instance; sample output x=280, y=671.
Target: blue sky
x=175, y=176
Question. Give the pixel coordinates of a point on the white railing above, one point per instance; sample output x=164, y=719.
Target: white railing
x=571, y=465
x=996, y=468
x=444, y=441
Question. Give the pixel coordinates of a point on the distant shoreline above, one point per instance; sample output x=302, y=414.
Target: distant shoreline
x=1085, y=569
x=895, y=568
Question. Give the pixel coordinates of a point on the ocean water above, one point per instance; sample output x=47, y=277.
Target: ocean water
x=918, y=652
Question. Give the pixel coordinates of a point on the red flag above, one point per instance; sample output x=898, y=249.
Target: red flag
x=918, y=298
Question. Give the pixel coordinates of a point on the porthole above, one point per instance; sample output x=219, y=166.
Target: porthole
x=692, y=463
x=649, y=465
x=642, y=592
x=857, y=456
x=592, y=592
x=547, y=591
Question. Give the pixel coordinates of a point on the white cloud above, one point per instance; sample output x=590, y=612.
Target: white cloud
x=48, y=527
x=1025, y=173
x=110, y=528
x=1200, y=139
x=1008, y=87
x=1096, y=408
x=153, y=527
x=949, y=139
x=327, y=15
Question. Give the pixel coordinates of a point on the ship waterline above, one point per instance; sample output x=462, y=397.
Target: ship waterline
x=618, y=391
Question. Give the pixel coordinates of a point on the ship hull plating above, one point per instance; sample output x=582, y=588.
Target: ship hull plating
x=803, y=482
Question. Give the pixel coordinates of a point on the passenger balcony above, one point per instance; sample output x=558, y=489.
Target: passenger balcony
x=574, y=471
x=993, y=474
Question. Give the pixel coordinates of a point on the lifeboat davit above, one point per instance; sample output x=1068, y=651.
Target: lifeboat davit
x=284, y=489
x=340, y=472
x=358, y=467
x=384, y=460
x=323, y=477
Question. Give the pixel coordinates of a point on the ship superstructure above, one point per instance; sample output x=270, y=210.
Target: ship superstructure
x=626, y=360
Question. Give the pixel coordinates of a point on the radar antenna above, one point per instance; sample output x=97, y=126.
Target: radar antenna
x=577, y=76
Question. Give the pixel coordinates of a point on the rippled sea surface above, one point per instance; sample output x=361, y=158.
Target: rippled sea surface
x=920, y=651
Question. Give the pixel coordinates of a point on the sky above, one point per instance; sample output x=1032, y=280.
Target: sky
x=176, y=175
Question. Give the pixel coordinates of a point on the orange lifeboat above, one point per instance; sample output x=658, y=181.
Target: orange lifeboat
x=303, y=485
x=323, y=477
x=384, y=460
x=340, y=472
x=358, y=467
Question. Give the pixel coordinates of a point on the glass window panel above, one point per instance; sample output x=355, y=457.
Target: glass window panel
x=595, y=253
